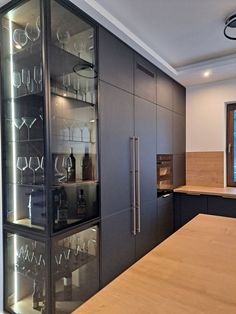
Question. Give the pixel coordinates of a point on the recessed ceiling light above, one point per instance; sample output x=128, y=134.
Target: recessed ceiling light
x=207, y=73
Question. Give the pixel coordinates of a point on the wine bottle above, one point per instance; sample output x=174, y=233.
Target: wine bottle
x=81, y=204
x=71, y=170
x=87, y=167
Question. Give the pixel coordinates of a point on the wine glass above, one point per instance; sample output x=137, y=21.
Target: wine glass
x=42, y=166
x=66, y=81
x=57, y=172
x=21, y=164
x=80, y=47
x=66, y=163
x=20, y=39
x=38, y=77
x=76, y=85
x=18, y=123
x=32, y=31
x=34, y=165
x=16, y=79
x=29, y=122
x=25, y=76
x=63, y=37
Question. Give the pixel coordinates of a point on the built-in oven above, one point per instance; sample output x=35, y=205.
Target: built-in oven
x=164, y=174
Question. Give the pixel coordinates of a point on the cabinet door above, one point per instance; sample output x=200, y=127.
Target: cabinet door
x=179, y=174
x=116, y=128
x=144, y=79
x=221, y=206
x=115, y=61
x=164, y=131
x=118, y=245
x=191, y=206
x=178, y=133
x=145, y=129
x=165, y=217
x=164, y=90
x=179, y=98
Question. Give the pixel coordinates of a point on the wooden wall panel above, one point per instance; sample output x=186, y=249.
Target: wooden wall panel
x=205, y=168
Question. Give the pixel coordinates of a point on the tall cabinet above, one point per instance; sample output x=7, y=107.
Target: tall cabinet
x=49, y=156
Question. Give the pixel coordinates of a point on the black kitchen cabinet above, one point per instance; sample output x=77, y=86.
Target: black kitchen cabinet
x=179, y=98
x=164, y=131
x=222, y=206
x=144, y=79
x=187, y=206
x=179, y=125
x=165, y=216
x=118, y=245
x=117, y=127
x=164, y=87
x=179, y=170
x=115, y=61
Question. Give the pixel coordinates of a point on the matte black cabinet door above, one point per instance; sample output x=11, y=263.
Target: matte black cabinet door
x=147, y=238
x=179, y=174
x=221, y=206
x=164, y=131
x=115, y=61
x=178, y=133
x=164, y=90
x=145, y=129
x=165, y=217
x=144, y=79
x=179, y=98
x=116, y=128
x=191, y=206
x=118, y=245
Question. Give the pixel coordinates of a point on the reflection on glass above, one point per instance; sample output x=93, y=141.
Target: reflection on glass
x=75, y=269
x=26, y=272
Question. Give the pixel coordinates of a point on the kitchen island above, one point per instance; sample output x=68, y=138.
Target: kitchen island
x=192, y=272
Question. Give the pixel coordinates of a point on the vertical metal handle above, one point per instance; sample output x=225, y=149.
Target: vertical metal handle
x=229, y=148
x=138, y=205
x=133, y=183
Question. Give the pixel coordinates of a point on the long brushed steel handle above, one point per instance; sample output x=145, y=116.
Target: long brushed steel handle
x=138, y=205
x=133, y=183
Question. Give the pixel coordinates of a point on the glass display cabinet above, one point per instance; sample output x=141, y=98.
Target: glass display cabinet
x=49, y=156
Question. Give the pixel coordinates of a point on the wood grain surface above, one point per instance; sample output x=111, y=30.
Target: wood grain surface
x=192, y=272
x=227, y=192
x=205, y=168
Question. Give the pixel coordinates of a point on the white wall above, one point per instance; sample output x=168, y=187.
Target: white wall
x=206, y=115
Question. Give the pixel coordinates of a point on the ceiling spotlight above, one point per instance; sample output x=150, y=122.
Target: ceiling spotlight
x=206, y=73
x=230, y=22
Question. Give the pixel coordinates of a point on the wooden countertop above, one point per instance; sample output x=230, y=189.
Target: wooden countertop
x=192, y=272
x=228, y=192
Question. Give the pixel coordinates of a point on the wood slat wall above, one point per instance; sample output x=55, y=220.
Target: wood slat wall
x=205, y=168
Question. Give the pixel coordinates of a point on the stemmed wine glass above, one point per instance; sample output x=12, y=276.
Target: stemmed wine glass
x=32, y=31
x=38, y=77
x=25, y=73
x=66, y=163
x=63, y=37
x=29, y=122
x=42, y=166
x=18, y=123
x=58, y=174
x=80, y=47
x=16, y=79
x=21, y=164
x=34, y=165
x=66, y=81
x=76, y=85
x=20, y=39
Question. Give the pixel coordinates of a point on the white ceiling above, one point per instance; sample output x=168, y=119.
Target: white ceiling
x=183, y=37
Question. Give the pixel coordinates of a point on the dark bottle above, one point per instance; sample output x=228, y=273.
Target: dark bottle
x=87, y=166
x=62, y=209
x=81, y=204
x=71, y=170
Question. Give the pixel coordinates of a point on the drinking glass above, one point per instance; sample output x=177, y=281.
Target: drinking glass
x=66, y=163
x=18, y=123
x=34, y=165
x=29, y=122
x=32, y=31
x=38, y=77
x=68, y=125
x=16, y=79
x=21, y=164
x=66, y=81
x=19, y=37
x=25, y=76
x=63, y=37
x=60, y=176
x=76, y=85
x=80, y=47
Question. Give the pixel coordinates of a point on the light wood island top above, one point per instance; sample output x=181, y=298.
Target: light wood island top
x=228, y=192
x=192, y=272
